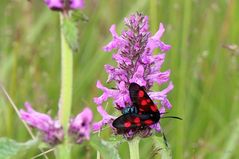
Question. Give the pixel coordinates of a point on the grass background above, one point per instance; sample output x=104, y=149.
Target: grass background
x=205, y=74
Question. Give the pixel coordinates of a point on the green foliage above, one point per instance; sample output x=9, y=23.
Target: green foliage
x=232, y=142
x=78, y=16
x=107, y=149
x=10, y=149
x=161, y=147
x=71, y=33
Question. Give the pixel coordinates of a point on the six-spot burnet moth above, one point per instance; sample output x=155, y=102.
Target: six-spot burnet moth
x=141, y=114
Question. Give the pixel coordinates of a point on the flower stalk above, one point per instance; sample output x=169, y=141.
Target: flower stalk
x=66, y=80
x=63, y=152
x=134, y=148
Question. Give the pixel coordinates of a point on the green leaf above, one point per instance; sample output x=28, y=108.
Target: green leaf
x=161, y=147
x=78, y=16
x=71, y=33
x=107, y=149
x=10, y=149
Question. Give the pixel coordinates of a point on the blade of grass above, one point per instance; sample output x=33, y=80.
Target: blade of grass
x=182, y=80
x=18, y=114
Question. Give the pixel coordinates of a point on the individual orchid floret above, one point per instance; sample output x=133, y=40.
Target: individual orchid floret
x=51, y=130
x=80, y=126
x=136, y=63
x=107, y=119
x=61, y=5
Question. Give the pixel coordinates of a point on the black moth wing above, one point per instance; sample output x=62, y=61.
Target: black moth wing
x=146, y=115
x=133, y=121
x=141, y=100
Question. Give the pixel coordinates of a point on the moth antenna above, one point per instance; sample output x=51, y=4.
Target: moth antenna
x=43, y=153
x=174, y=117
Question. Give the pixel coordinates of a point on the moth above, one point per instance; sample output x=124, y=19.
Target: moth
x=142, y=113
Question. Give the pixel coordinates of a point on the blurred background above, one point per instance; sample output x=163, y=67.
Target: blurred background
x=203, y=60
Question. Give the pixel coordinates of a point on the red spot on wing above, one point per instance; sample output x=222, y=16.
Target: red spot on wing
x=143, y=102
x=140, y=109
x=137, y=120
x=148, y=100
x=138, y=124
x=141, y=94
x=148, y=122
x=154, y=108
x=127, y=124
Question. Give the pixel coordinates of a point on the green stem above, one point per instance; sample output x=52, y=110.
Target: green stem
x=134, y=148
x=66, y=80
x=98, y=152
x=63, y=151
